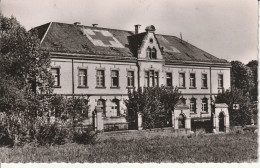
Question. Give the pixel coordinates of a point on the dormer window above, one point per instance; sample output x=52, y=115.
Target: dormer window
x=154, y=54
x=148, y=52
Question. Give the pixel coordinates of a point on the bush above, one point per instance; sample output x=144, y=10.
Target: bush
x=51, y=134
x=84, y=136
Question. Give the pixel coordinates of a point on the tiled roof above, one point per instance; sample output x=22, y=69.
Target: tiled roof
x=70, y=38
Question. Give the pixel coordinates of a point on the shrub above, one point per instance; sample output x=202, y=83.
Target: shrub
x=51, y=134
x=84, y=136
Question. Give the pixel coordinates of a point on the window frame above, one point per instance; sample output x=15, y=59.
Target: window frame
x=56, y=76
x=116, y=103
x=85, y=78
x=193, y=105
x=220, y=81
x=204, y=105
x=114, y=78
x=204, y=79
x=100, y=78
x=130, y=79
x=169, y=78
x=151, y=78
x=148, y=52
x=153, y=53
x=192, y=81
x=183, y=80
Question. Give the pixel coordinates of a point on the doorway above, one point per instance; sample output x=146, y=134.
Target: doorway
x=221, y=122
x=181, y=121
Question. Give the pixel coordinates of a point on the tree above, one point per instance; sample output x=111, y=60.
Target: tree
x=24, y=76
x=241, y=77
x=253, y=65
x=244, y=114
x=155, y=104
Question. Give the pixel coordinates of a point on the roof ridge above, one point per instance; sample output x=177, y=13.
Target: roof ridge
x=95, y=27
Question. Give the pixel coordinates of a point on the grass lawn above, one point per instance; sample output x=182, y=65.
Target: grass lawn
x=146, y=147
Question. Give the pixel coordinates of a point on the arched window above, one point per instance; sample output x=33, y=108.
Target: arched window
x=148, y=52
x=154, y=54
x=115, y=107
x=204, y=104
x=102, y=103
x=193, y=105
x=183, y=100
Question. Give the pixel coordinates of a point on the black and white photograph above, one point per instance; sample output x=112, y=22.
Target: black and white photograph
x=132, y=81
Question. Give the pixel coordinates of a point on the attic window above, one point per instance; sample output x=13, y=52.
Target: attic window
x=148, y=52
x=154, y=54
x=151, y=40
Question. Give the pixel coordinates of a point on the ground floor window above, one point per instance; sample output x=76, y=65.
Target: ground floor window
x=205, y=105
x=193, y=105
x=115, y=107
x=102, y=103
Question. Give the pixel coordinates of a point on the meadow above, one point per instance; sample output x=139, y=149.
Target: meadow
x=146, y=147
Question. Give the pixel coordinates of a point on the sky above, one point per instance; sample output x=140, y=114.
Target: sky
x=224, y=28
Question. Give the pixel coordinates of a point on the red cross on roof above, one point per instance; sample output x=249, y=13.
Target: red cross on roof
x=105, y=39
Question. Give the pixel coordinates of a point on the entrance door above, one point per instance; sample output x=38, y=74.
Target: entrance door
x=181, y=121
x=221, y=122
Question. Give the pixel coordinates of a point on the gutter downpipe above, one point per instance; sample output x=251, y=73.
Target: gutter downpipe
x=72, y=61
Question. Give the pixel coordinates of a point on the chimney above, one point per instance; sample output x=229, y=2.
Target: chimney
x=76, y=23
x=137, y=28
x=94, y=25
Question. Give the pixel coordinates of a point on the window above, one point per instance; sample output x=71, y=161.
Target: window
x=220, y=81
x=115, y=107
x=56, y=74
x=169, y=79
x=156, y=79
x=82, y=78
x=182, y=80
x=154, y=54
x=102, y=103
x=148, y=52
x=204, y=80
x=115, y=78
x=146, y=76
x=100, y=78
x=205, y=105
x=183, y=100
x=151, y=78
x=192, y=80
x=130, y=79
x=193, y=105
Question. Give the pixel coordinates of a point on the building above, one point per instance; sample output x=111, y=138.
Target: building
x=102, y=64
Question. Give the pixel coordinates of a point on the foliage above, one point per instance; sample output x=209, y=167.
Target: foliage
x=144, y=147
x=155, y=104
x=20, y=128
x=25, y=91
x=237, y=117
x=51, y=134
x=241, y=77
x=85, y=136
x=253, y=65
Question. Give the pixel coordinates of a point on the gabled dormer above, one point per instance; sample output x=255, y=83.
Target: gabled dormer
x=145, y=46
